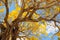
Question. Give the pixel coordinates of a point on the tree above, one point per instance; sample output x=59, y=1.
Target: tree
x=27, y=12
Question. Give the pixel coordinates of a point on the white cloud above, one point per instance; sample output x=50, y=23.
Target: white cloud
x=51, y=28
x=17, y=39
x=19, y=2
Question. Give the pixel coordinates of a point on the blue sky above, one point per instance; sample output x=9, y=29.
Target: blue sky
x=12, y=7
x=48, y=38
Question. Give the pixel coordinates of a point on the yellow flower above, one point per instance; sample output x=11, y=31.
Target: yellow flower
x=33, y=38
x=2, y=10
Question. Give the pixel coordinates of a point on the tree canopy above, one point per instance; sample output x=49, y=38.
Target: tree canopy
x=29, y=19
